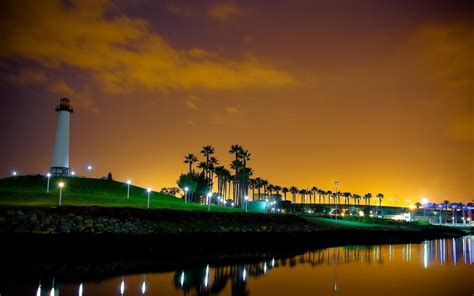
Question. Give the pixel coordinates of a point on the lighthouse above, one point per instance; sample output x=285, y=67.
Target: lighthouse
x=60, y=164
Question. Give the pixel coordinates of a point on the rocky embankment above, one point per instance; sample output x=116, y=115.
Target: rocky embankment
x=141, y=222
x=97, y=233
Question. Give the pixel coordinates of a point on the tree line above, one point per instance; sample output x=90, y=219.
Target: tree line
x=236, y=182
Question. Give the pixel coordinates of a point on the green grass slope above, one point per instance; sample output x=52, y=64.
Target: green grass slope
x=31, y=191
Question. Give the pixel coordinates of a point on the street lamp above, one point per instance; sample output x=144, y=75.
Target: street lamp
x=47, y=184
x=89, y=169
x=148, y=203
x=336, y=183
x=424, y=202
x=14, y=173
x=73, y=173
x=186, y=189
x=246, y=203
x=128, y=187
x=60, y=185
x=209, y=201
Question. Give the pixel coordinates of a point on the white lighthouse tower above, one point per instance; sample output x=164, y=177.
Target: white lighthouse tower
x=60, y=164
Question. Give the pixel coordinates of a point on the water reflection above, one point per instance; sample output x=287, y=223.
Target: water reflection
x=237, y=279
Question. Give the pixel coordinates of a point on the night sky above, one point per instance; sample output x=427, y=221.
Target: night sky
x=377, y=94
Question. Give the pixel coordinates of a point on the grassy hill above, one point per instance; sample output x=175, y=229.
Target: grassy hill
x=31, y=191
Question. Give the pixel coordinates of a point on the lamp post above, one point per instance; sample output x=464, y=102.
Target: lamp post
x=440, y=207
x=89, y=169
x=148, y=203
x=14, y=173
x=209, y=195
x=60, y=185
x=47, y=184
x=186, y=194
x=128, y=188
x=246, y=203
x=336, y=183
x=73, y=173
x=424, y=202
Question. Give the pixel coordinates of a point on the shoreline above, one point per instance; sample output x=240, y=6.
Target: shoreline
x=95, y=233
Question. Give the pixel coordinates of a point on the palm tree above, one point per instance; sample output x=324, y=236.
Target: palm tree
x=258, y=185
x=207, y=151
x=190, y=159
x=356, y=198
x=236, y=149
x=277, y=190
x=367, y=197
x=203, y=166
x=285, y=190
x=329, y=194
x=380, y=197
x=418, y=205
x=314, y=190
x=294, y=191
x=245, y=156
x=303, y=193
x=252, y=185
x=446, y=203
x=270, y=189
x=347, y=196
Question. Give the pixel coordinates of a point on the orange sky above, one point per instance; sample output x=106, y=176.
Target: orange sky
x=376, y=94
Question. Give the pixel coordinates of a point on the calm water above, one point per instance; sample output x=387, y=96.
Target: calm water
x=439, y=267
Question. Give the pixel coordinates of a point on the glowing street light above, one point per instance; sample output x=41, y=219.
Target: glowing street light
x=148, y=203
x=143, y=287
x=186, y=189
x=80, y=290
x=128, y=187
x=89, y=170
x=122, y=287
x=60, y=185
x=209, y=195
x=14, y=173
x=182, y=279
x=424, y=202
x=47, y=184
x=73, y=173
x=246, y=203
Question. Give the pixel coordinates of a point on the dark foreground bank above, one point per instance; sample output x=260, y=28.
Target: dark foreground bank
x=95, y=233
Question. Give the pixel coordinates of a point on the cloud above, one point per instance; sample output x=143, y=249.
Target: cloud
x=26, y=77
x=448, y=49
x=182, y=11
x=120, y=53
x=191, y=103
x=232, y=110
x=223, y=12
x=448, y=53
x=82, y=99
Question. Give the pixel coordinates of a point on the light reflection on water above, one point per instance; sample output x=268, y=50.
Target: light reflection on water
x=349, y=270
